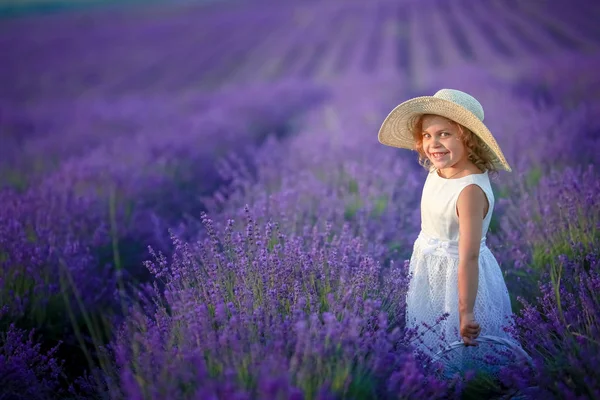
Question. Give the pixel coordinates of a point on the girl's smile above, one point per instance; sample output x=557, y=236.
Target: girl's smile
x=438, y=155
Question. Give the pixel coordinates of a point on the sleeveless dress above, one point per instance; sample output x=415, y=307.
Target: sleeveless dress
x=433, y=287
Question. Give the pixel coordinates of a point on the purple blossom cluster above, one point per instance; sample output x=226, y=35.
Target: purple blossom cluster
x=84, y=226
x=26, y=371
x=553, y=215
x=559, y=329
x=44, y=234
x=262, y=314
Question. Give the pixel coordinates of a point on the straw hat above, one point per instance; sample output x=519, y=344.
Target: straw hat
x=396, y=130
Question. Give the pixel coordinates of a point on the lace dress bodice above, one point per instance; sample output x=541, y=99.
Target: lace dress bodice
x=439, y=218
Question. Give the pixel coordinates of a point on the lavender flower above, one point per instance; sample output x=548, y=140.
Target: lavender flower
x=26, y=372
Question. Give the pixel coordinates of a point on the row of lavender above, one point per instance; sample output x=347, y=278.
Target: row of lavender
x=324, y=174
x=300, y=295
x=89, y=182
x=165, y=51
x=125, y=50
x=190, y=47
x=78, y=229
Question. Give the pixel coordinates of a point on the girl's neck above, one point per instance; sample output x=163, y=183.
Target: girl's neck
x=458, y=171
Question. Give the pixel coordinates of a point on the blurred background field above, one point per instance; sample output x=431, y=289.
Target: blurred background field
x=17, y=8
x=121, y=123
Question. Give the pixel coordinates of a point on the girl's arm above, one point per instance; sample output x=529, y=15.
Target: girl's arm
x=471, y=206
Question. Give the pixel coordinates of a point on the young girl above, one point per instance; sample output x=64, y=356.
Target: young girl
x=453, y=271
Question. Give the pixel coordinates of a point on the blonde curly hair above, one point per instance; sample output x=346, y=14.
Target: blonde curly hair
x=476, y=148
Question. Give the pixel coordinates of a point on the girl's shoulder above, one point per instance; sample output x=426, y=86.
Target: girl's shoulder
x=480, y=179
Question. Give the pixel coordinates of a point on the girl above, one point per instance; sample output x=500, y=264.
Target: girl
x=453, y=271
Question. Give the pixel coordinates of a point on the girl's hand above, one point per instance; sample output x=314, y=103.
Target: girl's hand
x=469, y=329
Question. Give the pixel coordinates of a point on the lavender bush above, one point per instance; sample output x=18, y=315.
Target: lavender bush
x=262, y=313
x=330, y=171
x=70, y=210
x=559, y=329
x=26, y=371
x=558, y=216
x=40, y=232
x=94, y=215
x=43, y=136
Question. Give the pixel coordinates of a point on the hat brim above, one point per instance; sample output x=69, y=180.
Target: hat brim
x=396, y=129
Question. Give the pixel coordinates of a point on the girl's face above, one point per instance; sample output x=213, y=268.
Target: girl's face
x=441, y=142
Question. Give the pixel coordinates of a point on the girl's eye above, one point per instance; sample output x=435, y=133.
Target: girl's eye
x=445, y=134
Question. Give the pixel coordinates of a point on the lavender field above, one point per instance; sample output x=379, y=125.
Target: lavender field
x=194, y=203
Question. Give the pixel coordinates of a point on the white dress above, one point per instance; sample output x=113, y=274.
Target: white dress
x=433, y=288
